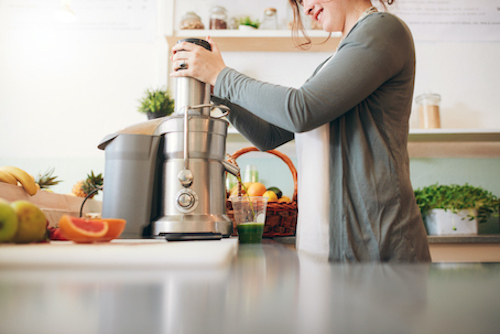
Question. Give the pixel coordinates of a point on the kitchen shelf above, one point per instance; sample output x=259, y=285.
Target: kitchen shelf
x=439, y=143
x=259, y=40
x=441, y=135
x=454, y=135
x=454, y=143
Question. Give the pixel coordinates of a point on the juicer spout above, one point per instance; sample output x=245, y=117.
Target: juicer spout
x=231, y=168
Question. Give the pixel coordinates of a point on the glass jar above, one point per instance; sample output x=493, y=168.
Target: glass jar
x=234, y=23
x=270, y=20
x=191, y=21
x=218, y=18
x=251, y=174
x=428, y=111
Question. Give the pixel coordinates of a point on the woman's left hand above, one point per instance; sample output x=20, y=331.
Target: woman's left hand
x=197, y=62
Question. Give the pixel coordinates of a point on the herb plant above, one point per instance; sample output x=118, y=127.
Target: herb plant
x=247, y=21
x=455, y=198
x=157, y=101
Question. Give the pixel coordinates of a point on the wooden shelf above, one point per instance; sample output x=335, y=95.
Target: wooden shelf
x=440, y=143
x=259, y=40
x=454, y=135
x=454, y=143
x=442, y=135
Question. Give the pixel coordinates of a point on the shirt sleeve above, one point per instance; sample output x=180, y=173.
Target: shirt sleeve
x=260, y=133
x=375, y=50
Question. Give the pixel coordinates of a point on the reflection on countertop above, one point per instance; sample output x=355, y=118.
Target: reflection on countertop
x=433, y=239
x=266, y=288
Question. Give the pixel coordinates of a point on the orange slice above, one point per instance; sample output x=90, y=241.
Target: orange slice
x=82, y=230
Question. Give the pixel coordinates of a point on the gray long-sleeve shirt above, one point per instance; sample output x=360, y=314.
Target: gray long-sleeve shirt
x=365, y=94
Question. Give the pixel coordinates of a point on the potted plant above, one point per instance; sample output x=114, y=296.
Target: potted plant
x=156, y=103
x=246, y=23
x=455, y=209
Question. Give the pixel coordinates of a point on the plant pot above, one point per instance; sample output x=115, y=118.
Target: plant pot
x=246, y=27
x=153, y=115
x=441, y=222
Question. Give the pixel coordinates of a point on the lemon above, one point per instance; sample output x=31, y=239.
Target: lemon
x=277, y=190
x=284, y=199
x=271, y=195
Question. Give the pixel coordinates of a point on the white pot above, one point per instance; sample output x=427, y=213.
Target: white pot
x=245, y=27
x=441, y=222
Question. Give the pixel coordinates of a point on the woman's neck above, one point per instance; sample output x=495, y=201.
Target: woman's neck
x=354, y=14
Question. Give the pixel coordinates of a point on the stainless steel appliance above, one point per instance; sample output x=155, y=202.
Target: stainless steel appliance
x=167, y=176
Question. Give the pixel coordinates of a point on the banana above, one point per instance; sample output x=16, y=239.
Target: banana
x=7, y=178
x=24, y=178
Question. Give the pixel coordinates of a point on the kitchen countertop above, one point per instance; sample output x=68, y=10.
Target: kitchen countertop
x=264, y=288
x=434, y=239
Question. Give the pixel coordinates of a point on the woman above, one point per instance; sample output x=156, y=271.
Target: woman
x=350, y=124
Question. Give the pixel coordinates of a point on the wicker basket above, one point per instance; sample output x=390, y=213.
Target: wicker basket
x=281, y=218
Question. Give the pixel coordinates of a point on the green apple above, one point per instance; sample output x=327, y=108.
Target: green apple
x=32, y=222
x=8, y=222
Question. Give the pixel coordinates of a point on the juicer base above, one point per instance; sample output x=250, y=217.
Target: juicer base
x=192, y=224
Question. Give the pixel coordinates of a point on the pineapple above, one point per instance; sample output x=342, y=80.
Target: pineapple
x=84, y=187
x=47, y=180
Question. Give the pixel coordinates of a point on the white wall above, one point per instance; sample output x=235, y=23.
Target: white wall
x=58, y=98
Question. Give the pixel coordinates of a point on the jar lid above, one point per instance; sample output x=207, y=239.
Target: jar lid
x=218, y=9
x=270, y=9
x=191, y=15
x=431, y=96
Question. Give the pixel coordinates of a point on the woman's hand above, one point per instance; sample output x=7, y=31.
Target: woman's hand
x=198, y=62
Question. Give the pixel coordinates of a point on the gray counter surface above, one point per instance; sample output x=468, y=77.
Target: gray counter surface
x=266, y=288
x=434, y=239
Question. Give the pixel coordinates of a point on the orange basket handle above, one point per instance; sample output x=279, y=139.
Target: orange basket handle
x=280, y=155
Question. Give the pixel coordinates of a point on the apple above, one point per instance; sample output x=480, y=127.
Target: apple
x=32, y=222
x=8, y=222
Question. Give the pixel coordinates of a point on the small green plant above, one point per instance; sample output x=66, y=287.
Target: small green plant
x=247, y=21
x=458, y=197
x=157, y=101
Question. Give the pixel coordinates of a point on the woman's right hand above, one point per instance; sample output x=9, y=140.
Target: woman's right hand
x=200, y=63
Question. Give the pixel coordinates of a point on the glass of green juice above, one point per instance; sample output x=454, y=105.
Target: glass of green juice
x=249, y=216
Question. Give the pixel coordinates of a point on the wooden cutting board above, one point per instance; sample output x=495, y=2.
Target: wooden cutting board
x=121, y=253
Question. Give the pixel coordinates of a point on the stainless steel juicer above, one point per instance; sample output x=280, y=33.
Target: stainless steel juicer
x=167, y=176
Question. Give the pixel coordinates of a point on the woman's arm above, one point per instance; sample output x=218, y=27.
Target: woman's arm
x=263, y=135
x=373, y=53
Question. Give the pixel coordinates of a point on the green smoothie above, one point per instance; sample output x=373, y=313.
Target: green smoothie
x=250, y=233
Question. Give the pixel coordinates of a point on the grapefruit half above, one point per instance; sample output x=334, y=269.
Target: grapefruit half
x=115, y=229
x=82, y=230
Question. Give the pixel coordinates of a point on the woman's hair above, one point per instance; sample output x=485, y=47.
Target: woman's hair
x=298, y=25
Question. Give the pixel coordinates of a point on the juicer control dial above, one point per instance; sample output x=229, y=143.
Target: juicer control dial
x=186, y=200
x=186, y=177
